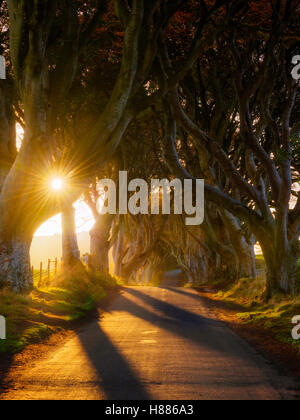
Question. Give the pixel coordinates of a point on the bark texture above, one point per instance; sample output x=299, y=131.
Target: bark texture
x=100, y=242
x=70, y=249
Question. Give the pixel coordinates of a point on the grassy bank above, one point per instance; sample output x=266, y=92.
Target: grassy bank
x=50, y=308
x=275, y=317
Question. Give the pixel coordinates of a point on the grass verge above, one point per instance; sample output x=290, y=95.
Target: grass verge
x=275, y=317
x=50, y=308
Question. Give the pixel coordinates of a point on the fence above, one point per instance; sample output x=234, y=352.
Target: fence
x=45, y=273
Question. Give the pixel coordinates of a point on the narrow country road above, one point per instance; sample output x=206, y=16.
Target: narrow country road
x=153, y=343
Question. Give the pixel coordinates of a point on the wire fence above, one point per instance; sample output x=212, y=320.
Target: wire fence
x=46, y=272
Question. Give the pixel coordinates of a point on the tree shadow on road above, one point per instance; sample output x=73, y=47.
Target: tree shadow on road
x=116, y=378
x=171, y=311
x=206, y=300
x=6, y=362
x=205, y=332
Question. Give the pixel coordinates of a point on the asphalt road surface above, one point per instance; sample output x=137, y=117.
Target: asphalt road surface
x=153, y=343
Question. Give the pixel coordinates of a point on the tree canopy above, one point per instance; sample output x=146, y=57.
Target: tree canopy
x=163, y=89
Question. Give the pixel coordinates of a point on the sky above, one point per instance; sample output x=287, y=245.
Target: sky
x=83, y=218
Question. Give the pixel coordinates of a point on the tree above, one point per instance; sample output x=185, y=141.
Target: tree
x=47, y=44
x=257, y=99
x=70, y=249
x=100, y=234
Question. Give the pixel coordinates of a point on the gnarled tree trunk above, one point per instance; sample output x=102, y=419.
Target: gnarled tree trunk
x=281, y=264
x=71, y=253
x=100, y=242
x=243, y=249
x=22, y=211
x=15, y=267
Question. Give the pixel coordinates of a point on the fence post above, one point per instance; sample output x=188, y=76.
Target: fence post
x=49, y=267
x=41, y=273
x=56, y=263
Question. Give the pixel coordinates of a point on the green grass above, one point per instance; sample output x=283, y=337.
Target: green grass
x=275, y=316
x=50, y=308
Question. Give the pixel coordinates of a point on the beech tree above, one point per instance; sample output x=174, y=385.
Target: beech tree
x=257, y=163
x=70, y=249
x=44, y=54
x=82, y=72
x=220, y=248
x=47, y=44
x=100, y=234
x=7, y=100
x=231, y=244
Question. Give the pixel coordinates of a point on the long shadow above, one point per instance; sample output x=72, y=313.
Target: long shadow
x=116, y=377
x=119, y=381
x=6, y=363
x=204, y=332
x=182, y=291
x=224, y=305
x=179, y=314
x=206, y=300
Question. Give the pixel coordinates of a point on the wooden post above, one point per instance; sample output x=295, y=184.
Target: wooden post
x=56, y=263
x=41, y=273
x=49, y=266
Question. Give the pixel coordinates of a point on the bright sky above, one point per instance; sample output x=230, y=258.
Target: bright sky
x=83, y=218
x=83, y=215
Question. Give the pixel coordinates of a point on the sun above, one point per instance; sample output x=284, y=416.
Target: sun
x=57, y=184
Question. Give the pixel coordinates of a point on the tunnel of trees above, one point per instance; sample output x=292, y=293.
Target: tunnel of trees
x=163, y=89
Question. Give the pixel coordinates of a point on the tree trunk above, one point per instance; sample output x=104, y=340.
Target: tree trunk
x=243, y=249
x=7, y=131
x=118, y=253
x=15, y=267
x=148, y=275
x=71, y=253
x=100, y=243
x=281, y=267
x=189, y=277
x=247, y=260
x=24, y=205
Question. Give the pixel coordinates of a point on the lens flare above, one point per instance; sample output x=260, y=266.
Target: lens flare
x=57, y=184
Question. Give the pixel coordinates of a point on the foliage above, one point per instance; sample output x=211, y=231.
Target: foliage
x=48, y=309
x=275, y=316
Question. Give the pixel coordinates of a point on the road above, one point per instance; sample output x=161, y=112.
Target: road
x=153, y=343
